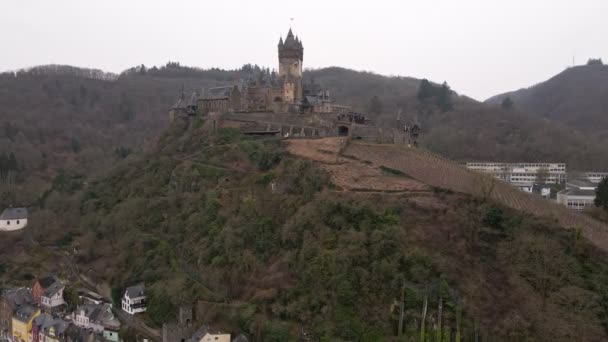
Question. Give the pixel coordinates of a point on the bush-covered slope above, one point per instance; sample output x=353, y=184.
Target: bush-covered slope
x=271, y=248
x=575, y=97
x=64, y=123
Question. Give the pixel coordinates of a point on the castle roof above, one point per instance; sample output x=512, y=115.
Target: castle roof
x=291, y=42
x=181, y=102
x=193, y=99
x=218, y=93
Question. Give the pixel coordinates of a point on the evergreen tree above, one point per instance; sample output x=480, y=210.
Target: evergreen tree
x=425, y=90
x=601, y=194
x=507, y=103
x=376, y=107
x=444, y=100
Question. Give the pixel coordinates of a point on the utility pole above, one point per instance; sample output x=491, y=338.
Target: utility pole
x=401, y=308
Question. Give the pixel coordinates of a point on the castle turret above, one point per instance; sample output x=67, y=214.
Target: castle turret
x=291, y=57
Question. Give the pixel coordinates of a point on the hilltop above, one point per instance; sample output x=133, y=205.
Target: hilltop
x=64, y=123
x=324, y=236
x=576, y=97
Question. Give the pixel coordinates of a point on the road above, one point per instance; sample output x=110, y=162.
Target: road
x=131, y=321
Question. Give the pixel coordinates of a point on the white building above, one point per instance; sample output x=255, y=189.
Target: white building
x=578, y=195
x=98, y=318
x=204, y=334
x=52, y=296
x=595, y=177
x=13, y=219
x=524, y=175
x=134, y=299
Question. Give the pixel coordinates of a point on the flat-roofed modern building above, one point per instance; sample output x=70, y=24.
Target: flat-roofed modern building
x=523, y=174
x=578, y=195
x=595, y=177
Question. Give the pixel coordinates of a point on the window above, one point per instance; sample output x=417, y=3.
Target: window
x=17, y=221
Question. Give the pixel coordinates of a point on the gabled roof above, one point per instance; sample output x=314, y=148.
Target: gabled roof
x=14, y=214
x=180, y=104
x=193, y=98
x=25, y=313
x=200, y=333
x=53, y=289
x=18, y=297
x=46, y=321
x=218, y=93
x=46, y=282
x=43, y=319
x=100, y=313
x=58, y=324
x=136, y=291
x=240, y=338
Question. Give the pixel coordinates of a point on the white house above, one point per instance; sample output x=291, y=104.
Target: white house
x=13, y=219
x=134, y=299
x=52, y=296
x=204, y=334
x=98, y=318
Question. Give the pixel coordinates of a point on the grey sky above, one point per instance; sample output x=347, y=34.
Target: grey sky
x=480, y=47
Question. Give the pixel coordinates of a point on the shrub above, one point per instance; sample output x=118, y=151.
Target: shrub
x=494, y=218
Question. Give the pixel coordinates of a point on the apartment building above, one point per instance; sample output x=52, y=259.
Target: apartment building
x=524, y=175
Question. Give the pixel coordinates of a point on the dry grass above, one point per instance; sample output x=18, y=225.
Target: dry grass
x=439, y=172
x=349, y=173
x=356, y=166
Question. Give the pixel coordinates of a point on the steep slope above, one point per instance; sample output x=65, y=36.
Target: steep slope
x=437, y=171
x=275, y=245
x=67, y=122
x=485, y=132
x=575, y=97
x=64, y=124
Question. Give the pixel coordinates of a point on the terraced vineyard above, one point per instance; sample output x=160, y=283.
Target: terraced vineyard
x=439, y=172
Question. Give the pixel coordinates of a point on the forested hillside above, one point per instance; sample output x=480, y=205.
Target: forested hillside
x=273, y=248
x=62, y=123
x=575, y=97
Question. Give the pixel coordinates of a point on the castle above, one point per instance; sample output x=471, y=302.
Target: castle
x=282, y=92
x=280, y=103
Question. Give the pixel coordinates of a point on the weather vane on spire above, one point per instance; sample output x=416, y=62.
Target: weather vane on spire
x=290, y=22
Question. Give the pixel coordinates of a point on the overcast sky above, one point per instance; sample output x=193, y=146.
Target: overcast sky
x=480, y=47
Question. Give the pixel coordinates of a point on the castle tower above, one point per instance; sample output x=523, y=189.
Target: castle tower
x=291, y=56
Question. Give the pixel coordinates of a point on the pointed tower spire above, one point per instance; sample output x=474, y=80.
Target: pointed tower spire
x=289, y=34
x=281, y=41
